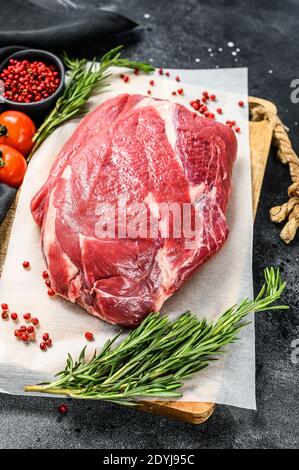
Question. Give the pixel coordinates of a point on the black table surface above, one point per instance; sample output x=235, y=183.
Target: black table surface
x=174, y=34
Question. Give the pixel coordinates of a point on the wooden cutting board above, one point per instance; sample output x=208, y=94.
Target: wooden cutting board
x=260, y=141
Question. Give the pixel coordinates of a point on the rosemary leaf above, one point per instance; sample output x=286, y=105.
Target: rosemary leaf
x=156, y=357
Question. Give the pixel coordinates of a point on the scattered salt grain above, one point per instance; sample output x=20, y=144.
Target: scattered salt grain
x=147, y=16
x=230, y=44
x=197, y=59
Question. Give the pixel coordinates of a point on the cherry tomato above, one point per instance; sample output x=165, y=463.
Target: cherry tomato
x=17, y=130
x=12, y=166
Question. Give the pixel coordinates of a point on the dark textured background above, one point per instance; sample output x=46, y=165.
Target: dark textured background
x=176, y=33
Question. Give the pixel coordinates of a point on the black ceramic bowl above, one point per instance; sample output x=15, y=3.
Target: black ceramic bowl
x=48, y=58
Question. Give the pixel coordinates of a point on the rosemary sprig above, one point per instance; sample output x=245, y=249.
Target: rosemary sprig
x=155, y=358
x=82, y=81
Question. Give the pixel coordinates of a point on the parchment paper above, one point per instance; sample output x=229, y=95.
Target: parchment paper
x=220, y=283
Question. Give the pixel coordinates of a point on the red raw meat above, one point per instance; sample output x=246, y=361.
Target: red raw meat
x=148, y=151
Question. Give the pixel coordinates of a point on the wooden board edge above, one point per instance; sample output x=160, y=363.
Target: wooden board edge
x=5, y=230
x=189, y=412
x=260, y=143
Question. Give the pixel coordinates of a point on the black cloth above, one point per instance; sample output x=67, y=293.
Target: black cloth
x=52, y=25
x=56, y=24
x=7, y=195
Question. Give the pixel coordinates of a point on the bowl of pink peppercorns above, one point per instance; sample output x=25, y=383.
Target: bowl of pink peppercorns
x=33, y=80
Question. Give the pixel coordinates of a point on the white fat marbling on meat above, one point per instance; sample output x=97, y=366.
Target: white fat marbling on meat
x=75, y=284
x=67, y=172
x=167, y=112
x=167, y=272
x=196, y=192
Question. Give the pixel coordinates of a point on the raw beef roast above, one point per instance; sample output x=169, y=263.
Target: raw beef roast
x=140, y=150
